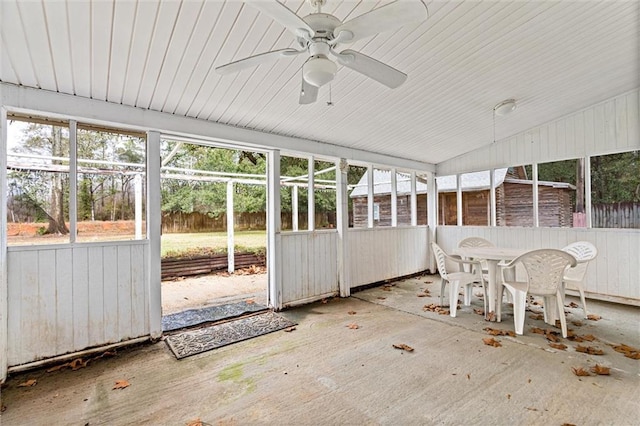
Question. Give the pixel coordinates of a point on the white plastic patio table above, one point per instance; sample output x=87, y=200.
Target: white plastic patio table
x=493, y=256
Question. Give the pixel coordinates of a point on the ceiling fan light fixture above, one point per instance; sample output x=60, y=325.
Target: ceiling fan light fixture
x=505, y=107
x=319, y=71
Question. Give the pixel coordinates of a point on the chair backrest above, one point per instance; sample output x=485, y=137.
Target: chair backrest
x=475, y=242
x=545, y=269
x=584, y=252
x=441, y=260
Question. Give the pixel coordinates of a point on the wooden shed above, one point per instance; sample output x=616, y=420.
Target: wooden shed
x=514, y=200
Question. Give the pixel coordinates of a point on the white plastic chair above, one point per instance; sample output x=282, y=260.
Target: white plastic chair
x=457, y=278
x=545, y=269
x=584, y=252
x=477, y=242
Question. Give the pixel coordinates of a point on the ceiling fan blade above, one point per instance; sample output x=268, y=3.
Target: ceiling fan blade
x=308, y=93
x=282, y=14
x=382, y=19
x=372, y=68
x=252, y=61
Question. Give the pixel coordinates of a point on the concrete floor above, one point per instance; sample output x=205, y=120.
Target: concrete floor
x=325, y=372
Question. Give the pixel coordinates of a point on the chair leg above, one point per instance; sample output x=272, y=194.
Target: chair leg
x=584, y=302
x=468, y=292
x=501, y=290
x=563, y=319
x=443, y=285
x=519, y=306
x=453, y=297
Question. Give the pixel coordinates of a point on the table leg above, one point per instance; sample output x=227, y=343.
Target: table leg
x=492, y=267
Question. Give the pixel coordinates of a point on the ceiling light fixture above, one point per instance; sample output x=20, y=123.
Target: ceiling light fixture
x=505, y=107
x=319, y=71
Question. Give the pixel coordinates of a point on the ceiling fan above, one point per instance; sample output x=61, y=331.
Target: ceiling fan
x=317, y=34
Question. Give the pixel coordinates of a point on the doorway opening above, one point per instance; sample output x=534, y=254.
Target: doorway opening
x=214, y=234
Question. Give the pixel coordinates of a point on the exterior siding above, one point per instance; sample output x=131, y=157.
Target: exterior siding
x=64, y=299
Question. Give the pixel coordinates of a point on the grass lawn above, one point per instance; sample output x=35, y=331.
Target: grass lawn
x=176, y=243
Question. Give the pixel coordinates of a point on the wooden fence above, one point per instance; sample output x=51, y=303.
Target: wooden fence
x=198, y=222
x=618, y=215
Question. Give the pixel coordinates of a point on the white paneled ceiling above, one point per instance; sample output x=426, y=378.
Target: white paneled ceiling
x=553, y=57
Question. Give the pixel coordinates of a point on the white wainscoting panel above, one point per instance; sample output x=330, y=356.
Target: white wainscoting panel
x=66, y=298
x=377, y=254
x=614, y=275
x=309, y=266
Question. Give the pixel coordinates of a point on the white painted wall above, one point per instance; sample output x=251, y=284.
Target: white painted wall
x=614, y=275
x=377, y=254
x=309, y=266
x=65, y=298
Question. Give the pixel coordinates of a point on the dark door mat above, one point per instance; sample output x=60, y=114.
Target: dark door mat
x=209, y=314
x=204, y=339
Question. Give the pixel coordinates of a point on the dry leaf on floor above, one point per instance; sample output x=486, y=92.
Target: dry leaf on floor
x=579, y=371
x=568, y=424
x=601, y=370
x=491, y=316
x=538, y=317
x=594, y=317
x=589, y=337
x=572, y=305
x=551, y=337
x=57, y=367
x=195, y=422
x=443, y=311
x=351, y=312
x=386, y=288
x=591, y=350
x=508, y=396
x=290, y=329
x=428, y=282
x=77, y=364
x=490, y=341
x=324, y=301
x=468, y=376
x=577, y=323
x=249, y=301
x=499, y=332
x=626, y=350
x=28, y=383
x=353, y=326
x=121, y=384
x=403, y=347
x=559, y=346
x=478, y=311
x=422, y=295
x=380, y=298
x=537, y=330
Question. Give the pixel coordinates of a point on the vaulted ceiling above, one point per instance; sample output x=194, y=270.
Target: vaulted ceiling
x=553, y=57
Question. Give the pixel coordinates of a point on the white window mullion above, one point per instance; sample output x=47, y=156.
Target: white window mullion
x=73, y=181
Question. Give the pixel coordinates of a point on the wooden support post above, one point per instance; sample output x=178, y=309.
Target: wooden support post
x=432, y=216
x=342, y=224
x=493, y=221
x=230, y=225
x=311, y=195
x=459, y=199
x=154, y=232
x=137, y=185
x=274, y=252
x=370, y=196
x=4, y=307
x=294, y=207
x=414, y=200
x=394, y=198
x=73, y=181
x=536, y=221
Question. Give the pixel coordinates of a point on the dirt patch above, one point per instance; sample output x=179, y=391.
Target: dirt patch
x=196, y=292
